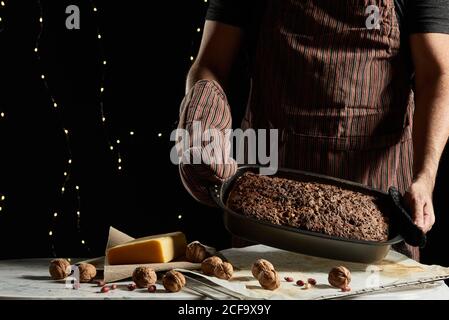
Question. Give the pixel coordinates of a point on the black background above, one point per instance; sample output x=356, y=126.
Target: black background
x=148, y=47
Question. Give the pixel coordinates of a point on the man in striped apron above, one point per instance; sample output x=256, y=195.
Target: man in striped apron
x=341, y=85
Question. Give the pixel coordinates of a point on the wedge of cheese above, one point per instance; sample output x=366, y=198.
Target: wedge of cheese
x=153, y=249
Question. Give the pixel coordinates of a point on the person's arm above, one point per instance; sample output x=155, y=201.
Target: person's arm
x=205, y=107
x=219, y=47
x=431, y=121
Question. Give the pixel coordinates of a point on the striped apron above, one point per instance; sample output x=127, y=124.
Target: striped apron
x=336, y=83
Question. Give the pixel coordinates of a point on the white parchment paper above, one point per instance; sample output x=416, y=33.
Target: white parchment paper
x=394, y=269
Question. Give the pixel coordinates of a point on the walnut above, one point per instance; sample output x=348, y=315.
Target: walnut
x=263, y=271
x=173, y=281
x=208, y=265
x=196, y=252
x=261, y=265
x=269, y=279
x=339, y=277
x=87, y=272
x=59, y=269
x=224, y=271
x=144, y=276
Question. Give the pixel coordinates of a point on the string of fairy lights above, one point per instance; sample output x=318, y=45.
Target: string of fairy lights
x=2, y=112
x=68, y=179
x=2, y=5
x=68, y=182
x=114, y=146
x=198, y=31
x=194, y=49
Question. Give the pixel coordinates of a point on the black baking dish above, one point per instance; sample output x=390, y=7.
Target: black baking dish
x=301, y=241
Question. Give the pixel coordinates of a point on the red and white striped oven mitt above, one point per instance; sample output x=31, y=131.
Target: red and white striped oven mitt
x=204, y=161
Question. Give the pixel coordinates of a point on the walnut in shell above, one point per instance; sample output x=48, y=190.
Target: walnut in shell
x=269, y=279
x=59, y=269
x=144, y=276
x=224, y=271
x=208, y=265
x=261, y=265
x=173, y=281
x=339, y=277
x=196, y=252
x=87, y=272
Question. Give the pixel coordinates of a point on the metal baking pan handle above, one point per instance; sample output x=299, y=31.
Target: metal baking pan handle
x=413, y=235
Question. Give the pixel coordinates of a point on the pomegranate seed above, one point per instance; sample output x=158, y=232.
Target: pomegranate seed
x=152, y=288
x=132, y=286
x=289, y=279
x=300, y=283
x=105, y=289
x=113, y=287
x=311, y=281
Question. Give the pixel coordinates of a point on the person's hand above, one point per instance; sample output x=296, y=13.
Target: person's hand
x=419, y=199
x=197, y=178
